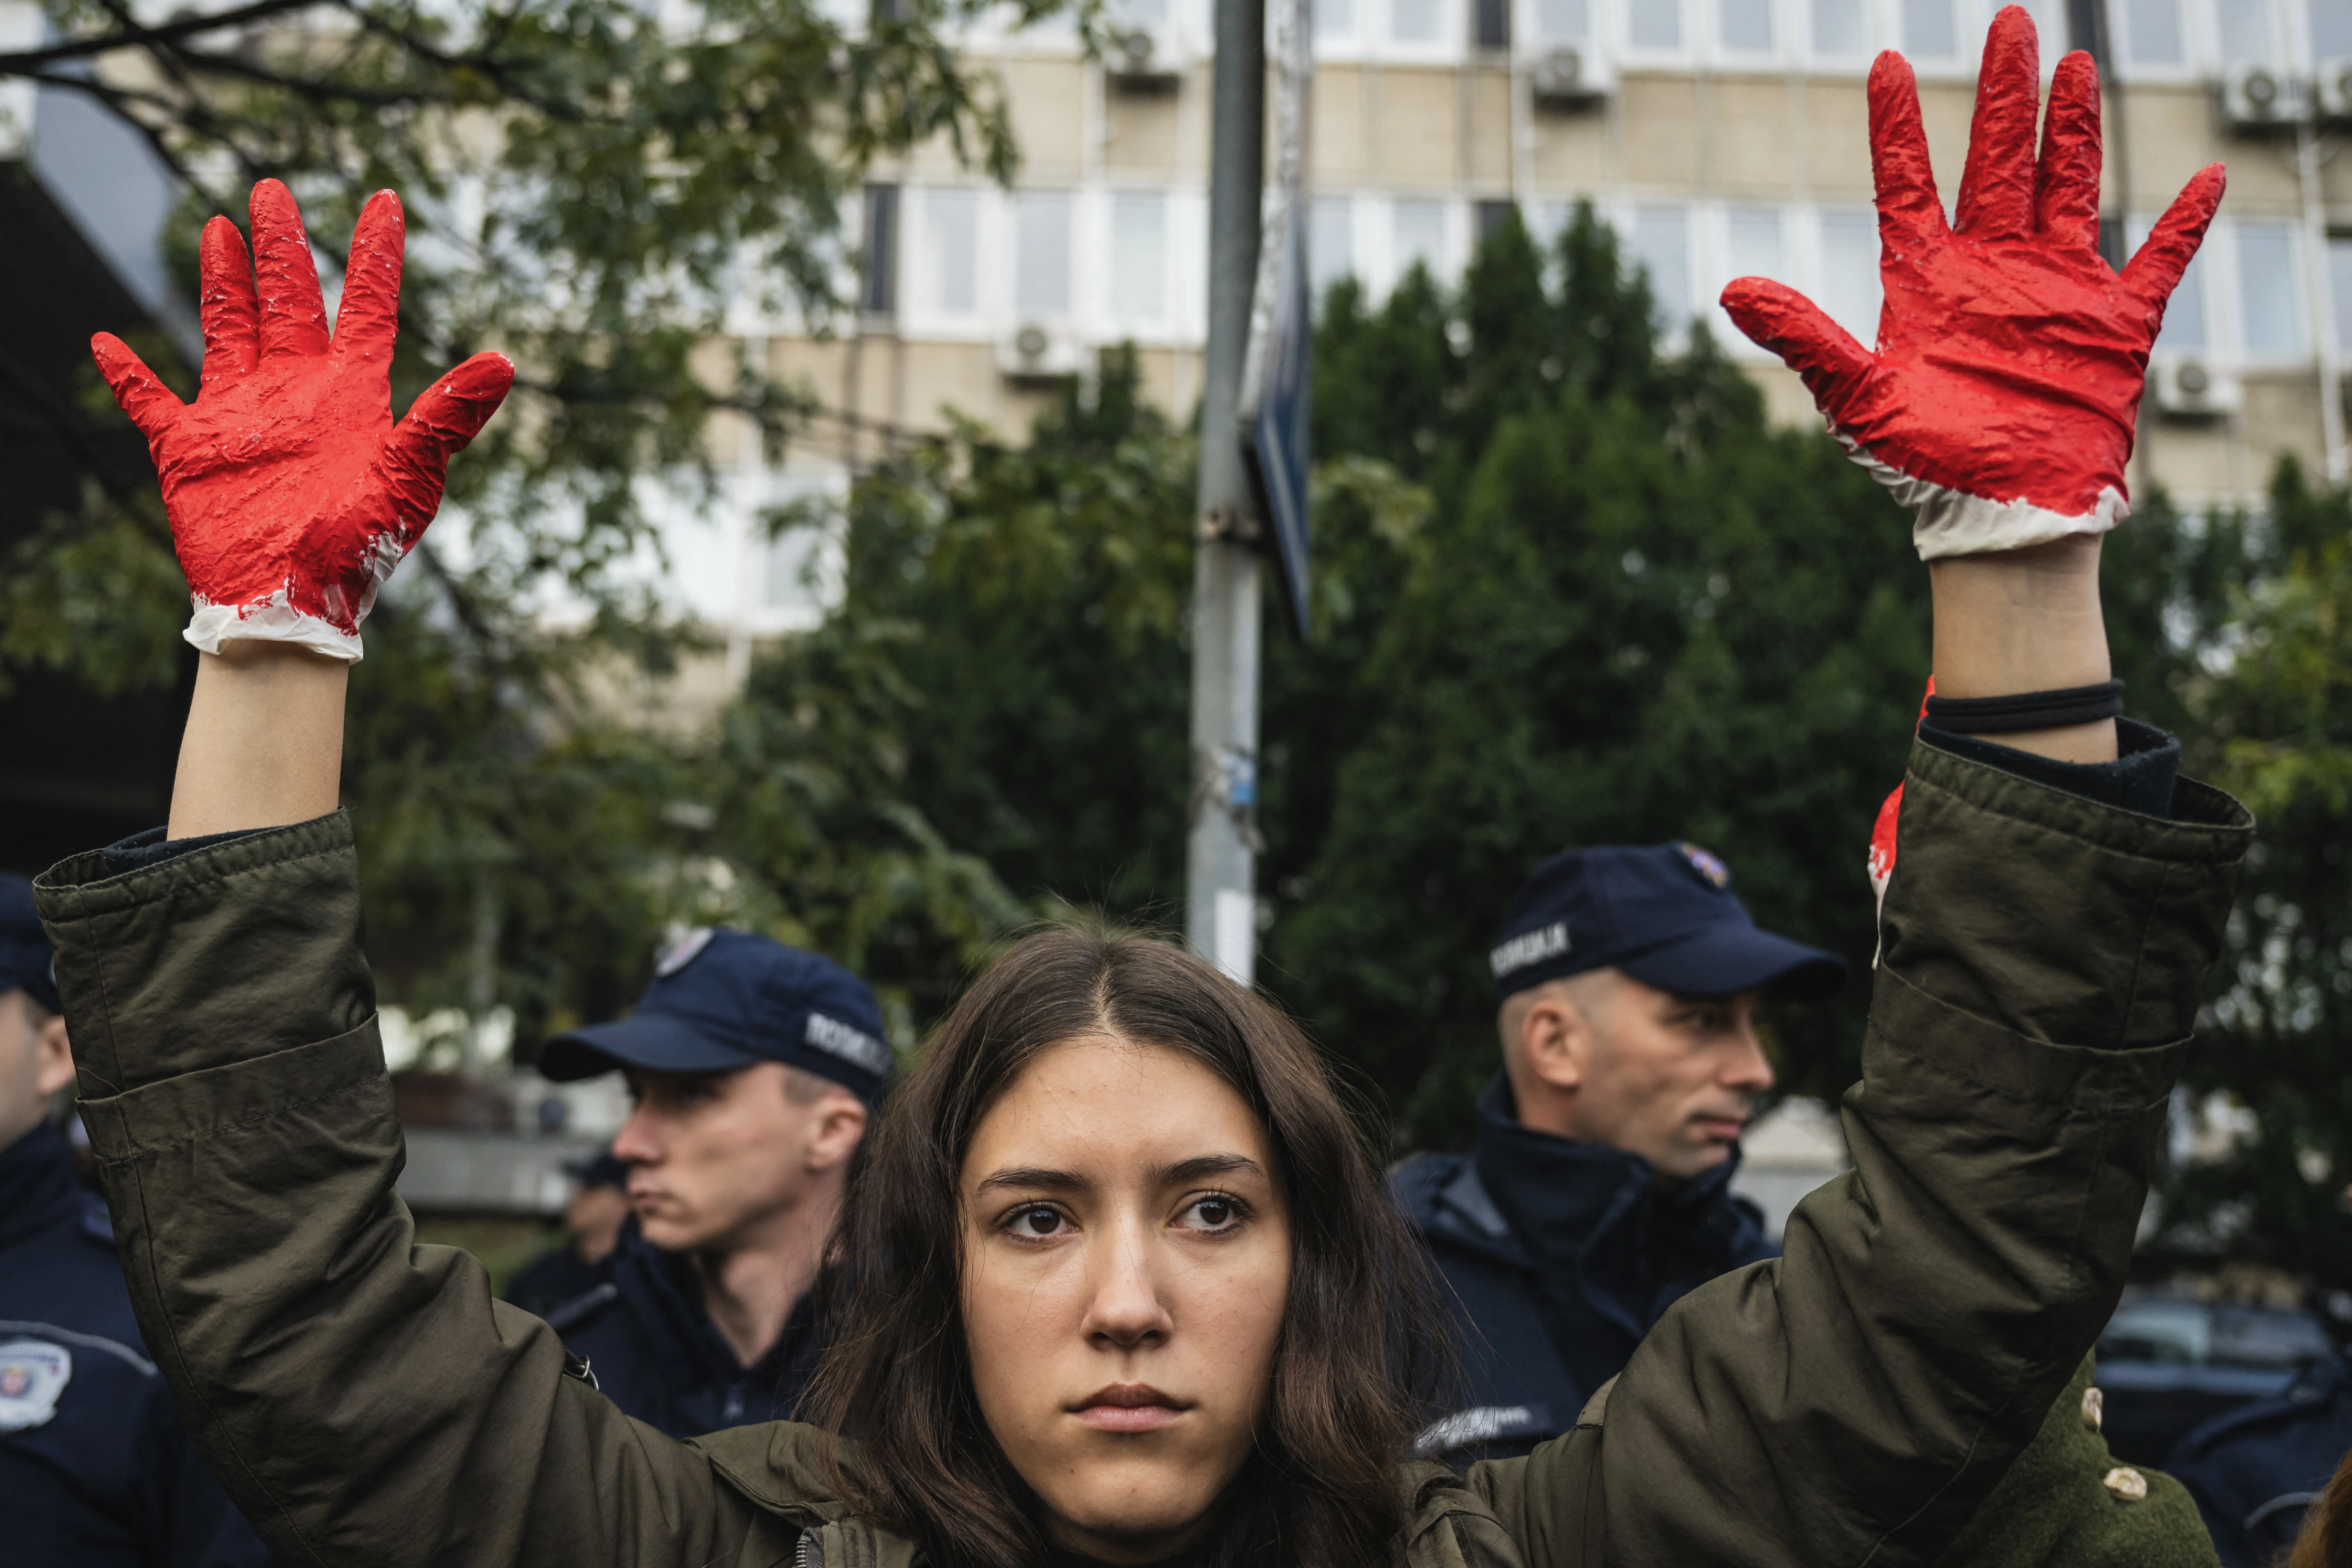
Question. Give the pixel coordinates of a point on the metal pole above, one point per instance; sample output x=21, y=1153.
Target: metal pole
x=2318, y=286
x=1220, y=905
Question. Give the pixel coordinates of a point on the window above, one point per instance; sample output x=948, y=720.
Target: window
x=2151, y=32
x=2266, y=290
x=1839, y=27
x=1414, y=21
x=2245, y=31
x=877, y=289
x=1660, y=244
x=1138, y=256
x=1492, y=215
x=1335, y=19
x=1752, y=243
x=952, y=249
x=2331, y=29
x=1562, y=21
x=1418, y=234
x=1849, y=290
x=1930, y=32
x=1654, y=24
x=1330, y=242
x=1494, y=24
x=1041, y=254
x=1745, y=26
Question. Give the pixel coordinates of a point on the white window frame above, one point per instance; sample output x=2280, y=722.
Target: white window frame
x=1775, y=60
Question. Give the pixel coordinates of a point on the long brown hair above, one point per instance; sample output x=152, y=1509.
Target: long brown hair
x=1361, y=1339
x=2325, y=1541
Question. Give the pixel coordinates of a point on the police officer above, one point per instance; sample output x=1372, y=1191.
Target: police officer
x=95, y=1467
x=2257, y=1471
x=592, y=1217
x=1598, y=1190
x=754, y=1068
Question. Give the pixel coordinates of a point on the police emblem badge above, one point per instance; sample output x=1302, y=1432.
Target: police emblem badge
x=1716, y=873
x=33, y=1373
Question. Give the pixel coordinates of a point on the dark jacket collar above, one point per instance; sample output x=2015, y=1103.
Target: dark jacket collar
x=1564, y=1198
x=663, y=1289
x=37, y=1184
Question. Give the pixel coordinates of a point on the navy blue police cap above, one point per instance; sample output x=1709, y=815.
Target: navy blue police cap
x=722, y=999
x=1664, y=913
x=26, y=962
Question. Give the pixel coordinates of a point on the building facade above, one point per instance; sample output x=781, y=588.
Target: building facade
x=1721, y=137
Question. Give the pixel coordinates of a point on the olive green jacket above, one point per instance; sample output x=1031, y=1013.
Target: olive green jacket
x=367, y=1401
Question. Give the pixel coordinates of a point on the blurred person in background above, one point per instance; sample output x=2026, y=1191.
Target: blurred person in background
x=2257, y=1472
x=592, y=1217
x=95, y=1468
x=1598, y=1190
x=754, y=1068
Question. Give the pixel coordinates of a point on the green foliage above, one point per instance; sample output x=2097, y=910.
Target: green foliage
x=2271, y=708
x=1567, y=591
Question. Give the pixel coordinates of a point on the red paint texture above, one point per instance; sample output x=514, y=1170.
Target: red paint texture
x=2010, y=356
x=286, y=472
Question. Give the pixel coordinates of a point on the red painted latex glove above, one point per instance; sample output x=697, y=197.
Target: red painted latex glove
x=292, y=494
x=2002, y=401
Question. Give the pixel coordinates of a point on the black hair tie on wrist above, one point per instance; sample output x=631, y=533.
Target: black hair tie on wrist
x=2027, y=710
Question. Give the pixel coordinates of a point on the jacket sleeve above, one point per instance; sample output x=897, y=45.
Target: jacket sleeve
x=2043, y=957
x=362, y=1398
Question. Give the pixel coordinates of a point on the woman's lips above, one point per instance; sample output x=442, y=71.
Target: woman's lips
x=1127, y=1408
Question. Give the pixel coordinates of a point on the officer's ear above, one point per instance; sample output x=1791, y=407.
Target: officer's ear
x=838, y=1123
x=1555, y=1036
x=52, y=1052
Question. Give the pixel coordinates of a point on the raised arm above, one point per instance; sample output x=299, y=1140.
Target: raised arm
x=362, y=1397
x=2045, y=935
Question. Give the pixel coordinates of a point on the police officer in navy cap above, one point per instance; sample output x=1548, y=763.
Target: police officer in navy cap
x=1598, y=1190
x=95, y=1468
x=592, y=1217
x=754, y=1068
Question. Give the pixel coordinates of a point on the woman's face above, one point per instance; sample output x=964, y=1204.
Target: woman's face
x=1127, y=1259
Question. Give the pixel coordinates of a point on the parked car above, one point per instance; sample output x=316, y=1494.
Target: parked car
x=2169, y=1363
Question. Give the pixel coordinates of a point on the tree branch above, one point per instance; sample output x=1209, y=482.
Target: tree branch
x=132, y=34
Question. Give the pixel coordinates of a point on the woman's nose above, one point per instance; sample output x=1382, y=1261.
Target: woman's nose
x=1127, y=1308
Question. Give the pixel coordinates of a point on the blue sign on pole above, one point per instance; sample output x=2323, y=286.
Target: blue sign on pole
x=1277, y=436
x=1278, y=375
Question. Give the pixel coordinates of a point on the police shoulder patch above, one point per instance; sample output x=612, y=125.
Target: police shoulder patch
x=1712, y=871
x=33, y=1373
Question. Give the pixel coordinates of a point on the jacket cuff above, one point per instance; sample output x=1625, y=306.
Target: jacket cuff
x=2039, y=914
x=201, y=1104
x=240, y=949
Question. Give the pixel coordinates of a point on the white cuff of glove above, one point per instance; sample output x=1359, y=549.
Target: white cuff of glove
x=1953, y=522
x=275, y=620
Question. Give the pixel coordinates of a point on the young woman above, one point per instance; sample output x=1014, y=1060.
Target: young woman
x=1124, y=1287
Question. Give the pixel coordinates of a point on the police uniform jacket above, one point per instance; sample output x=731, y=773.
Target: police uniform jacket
x=656, y=1354
x=1855, y=1401
x=96, y=1470
x=2256, y=1469
x=1559, y=1254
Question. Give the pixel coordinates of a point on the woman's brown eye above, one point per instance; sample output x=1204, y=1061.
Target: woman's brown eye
x=1039, y=1222
x=1214, y=1212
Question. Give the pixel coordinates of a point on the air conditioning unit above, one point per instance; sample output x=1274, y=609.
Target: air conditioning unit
x=1143, y=59
x=1035, y=353
x=2257, y=97
x=2331, y=88
x=2188, y=388
x=1568, y=75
